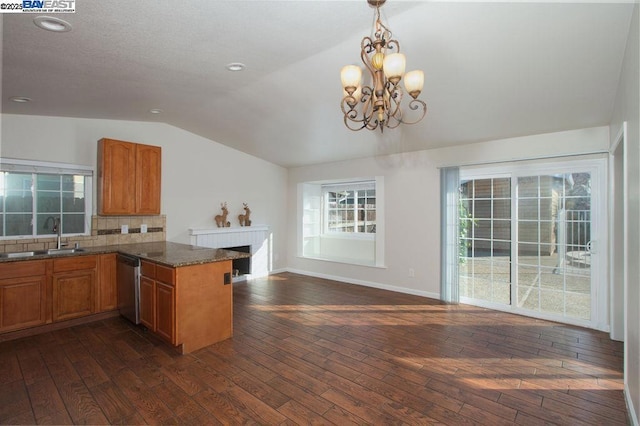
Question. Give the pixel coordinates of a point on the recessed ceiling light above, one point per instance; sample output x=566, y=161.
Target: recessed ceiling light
x=236, y=66
x=20, y=99
x=50, y=23
x=155, y=111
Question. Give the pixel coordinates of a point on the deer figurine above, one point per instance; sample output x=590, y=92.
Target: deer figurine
x=244, y=218
x=221, y=219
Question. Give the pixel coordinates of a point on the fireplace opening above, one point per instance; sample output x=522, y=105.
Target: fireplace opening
x=241, y=266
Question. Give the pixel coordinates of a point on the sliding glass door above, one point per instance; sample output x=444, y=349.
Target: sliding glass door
x=529, y=237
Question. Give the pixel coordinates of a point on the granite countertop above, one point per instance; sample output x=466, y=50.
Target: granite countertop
x=176, y=254
x=166, y=253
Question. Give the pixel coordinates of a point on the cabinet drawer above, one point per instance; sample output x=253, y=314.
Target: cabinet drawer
x=165, y=274
x=148, y=269
x=75, y=263
x=19, y=269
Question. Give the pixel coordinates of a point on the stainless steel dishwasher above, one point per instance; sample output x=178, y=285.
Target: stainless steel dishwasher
x=128, y=278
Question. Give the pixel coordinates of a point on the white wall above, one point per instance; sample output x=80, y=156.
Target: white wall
x=627, y=108
x=197, y=174
x=412, y=199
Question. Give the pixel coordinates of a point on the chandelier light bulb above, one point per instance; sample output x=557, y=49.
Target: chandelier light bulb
x=414, y=82
x=393, y=67
x=351, y=76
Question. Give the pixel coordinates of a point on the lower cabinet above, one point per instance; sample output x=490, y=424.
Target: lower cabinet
x=157, y=299
x=165, y=311
x=23, y=295
x=107, y=295
x=188, y=306
x=37, y=292
x=74, y=287
x=148, y=302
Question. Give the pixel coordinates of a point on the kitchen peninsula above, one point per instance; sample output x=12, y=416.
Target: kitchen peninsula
x=185, y=292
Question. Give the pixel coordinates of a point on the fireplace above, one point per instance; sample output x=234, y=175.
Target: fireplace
x=241, y=266
x=249, y=239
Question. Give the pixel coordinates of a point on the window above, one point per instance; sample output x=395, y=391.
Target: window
x=350, y=208
x=342, y=221
x=35, y=195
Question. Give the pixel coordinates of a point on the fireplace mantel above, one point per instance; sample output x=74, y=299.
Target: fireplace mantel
x=229, y=230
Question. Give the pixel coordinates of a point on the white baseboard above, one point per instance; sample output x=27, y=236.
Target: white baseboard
x=365, y=283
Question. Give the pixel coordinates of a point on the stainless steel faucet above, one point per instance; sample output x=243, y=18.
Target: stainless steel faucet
x=57, y=228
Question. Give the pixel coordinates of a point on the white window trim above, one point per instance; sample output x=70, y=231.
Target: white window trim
x=378, y=237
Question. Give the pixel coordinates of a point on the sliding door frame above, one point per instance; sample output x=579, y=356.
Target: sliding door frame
x=595, y=165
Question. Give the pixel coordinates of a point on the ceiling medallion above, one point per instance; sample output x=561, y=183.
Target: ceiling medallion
x=378, y=105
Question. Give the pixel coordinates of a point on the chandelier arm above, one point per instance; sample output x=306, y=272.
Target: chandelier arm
x=365, y=50
x=395, y=99
x=366, y=45
x=355, y=128
x=395, y=120
x=392, y=43
x=367, y=103
x=415, y=105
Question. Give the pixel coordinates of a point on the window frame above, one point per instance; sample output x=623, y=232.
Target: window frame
x=311, y=237
x=354, y=187
x=35, y=168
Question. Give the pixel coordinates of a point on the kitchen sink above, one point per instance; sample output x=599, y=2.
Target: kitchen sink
x=63, y=251
x=22, y=254
x=17, y=255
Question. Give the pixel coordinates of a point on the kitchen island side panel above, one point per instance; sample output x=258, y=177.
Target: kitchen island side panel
x=204, y=305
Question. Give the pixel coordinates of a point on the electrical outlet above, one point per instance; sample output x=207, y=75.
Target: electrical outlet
x=124, y=229
x=143, y=228
x=412, y=273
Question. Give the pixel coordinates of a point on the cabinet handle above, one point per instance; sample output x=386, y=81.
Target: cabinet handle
x=227, y=278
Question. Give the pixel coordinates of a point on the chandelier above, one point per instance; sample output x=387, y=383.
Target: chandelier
x=378, y=105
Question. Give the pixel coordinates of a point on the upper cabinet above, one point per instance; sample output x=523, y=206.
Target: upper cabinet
x=129, y=176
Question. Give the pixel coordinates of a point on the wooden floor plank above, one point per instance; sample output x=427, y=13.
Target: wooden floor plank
x=313, y=351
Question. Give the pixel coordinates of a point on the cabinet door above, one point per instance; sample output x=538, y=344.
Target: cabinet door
x=73, y=294
x=148, y=178
x=116, y=177
x=165, y=311
x=22, y=302
x=107, y=285
x=148, y=302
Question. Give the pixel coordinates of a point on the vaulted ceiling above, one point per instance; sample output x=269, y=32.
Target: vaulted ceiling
x=492, y=69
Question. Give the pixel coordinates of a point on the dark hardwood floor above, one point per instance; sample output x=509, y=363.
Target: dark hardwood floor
x=312, y=351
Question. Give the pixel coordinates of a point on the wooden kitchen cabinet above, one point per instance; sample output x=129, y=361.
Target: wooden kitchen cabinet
x=23, y=295
x=74, y=287
x=204, y=305
x=148, y=302
x=129, y=178
x=188, y=306
x=107, y=296
x=157, y=299
x=148, y=179
x=165, y=311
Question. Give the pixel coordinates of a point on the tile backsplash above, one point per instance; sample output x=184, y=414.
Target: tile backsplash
x=105, y=230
